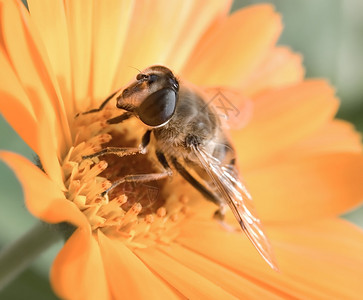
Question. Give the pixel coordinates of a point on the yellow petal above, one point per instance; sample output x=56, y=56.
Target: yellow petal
x=79, y=16
x=189, y=283
x=230, y=52
x=28, y=58
x=78, y=271
x=198, y=20
x=56, y=43
x=157, y=35
x=281, y=67
x=110, y=26
x=283, y=117
x=318, y=260
x=128, y=277
x=43, y=198
x=307, y=188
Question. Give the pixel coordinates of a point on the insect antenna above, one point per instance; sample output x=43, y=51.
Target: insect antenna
x=135, y=68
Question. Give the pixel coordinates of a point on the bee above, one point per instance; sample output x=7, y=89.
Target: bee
x=188, y=137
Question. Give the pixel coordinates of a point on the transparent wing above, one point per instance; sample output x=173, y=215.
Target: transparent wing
x=239, y=200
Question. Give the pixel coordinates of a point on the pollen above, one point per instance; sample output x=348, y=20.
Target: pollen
x=137, y=214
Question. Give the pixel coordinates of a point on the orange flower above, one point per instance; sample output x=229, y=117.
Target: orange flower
x=302, y=167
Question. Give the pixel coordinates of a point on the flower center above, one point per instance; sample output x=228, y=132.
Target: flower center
x=139, y=214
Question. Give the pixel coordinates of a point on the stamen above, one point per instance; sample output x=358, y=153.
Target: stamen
x=97, y=188
x=183, y=199
x=149, y=219
x=113, y=208
x=136, y=217
x=99, y=139
x=74, y=189
x=80, y=201
x=95, y=170
x=161, y=212
x=131, y=214
x=174, y=217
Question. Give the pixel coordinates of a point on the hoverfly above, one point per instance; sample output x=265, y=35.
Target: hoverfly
x=187, y=136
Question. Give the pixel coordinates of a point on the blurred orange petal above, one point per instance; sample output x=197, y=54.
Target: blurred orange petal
x=188, y=282
x=128, y=277
x=229, y=53
x=162, y=40
x=44, y=13
x=110, y=27
x=198, y=20
x=281, y=67
x=53, y=207
x=28, y=115
x=14, y=102
x=18, y=110
x=78, y=271
x=334, y=137
x=25, y=53
x=79, y=20
x=318, y=260
x=307, y=188
x=283, y=117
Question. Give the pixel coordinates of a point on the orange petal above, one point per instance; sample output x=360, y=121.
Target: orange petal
x=234, y=284
x=233, y=108
x=307, y=188
x=15, y=106
x=198, y=20
x=335, y=136
x=18, y=110
x=78, y=271
x=281, y=67
x=56, y=43
x=128, y=277
x=318, y=260
x=188, y=282
x=229, y=53
x=14, y=103
x=43, y=198
x=79, y=17
x=110, y=26
x=283, y=117
x=29, y=59
x=47, y=156
x=158, y=36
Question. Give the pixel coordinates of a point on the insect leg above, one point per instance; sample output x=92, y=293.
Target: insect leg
x=137, y=179
x=120, y=118
x=114, y=150
x=145, y=140
x=162, y=159
x=124, y=151
x=195, y=183
x=145, y=177
x=219, y=213
x=103, y=104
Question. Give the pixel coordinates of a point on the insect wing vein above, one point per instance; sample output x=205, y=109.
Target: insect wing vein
x=239, y=201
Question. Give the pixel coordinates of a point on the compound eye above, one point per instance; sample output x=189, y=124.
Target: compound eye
x=152, y=78
x=158, y=108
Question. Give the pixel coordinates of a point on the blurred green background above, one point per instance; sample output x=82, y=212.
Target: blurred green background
x=329, y=34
